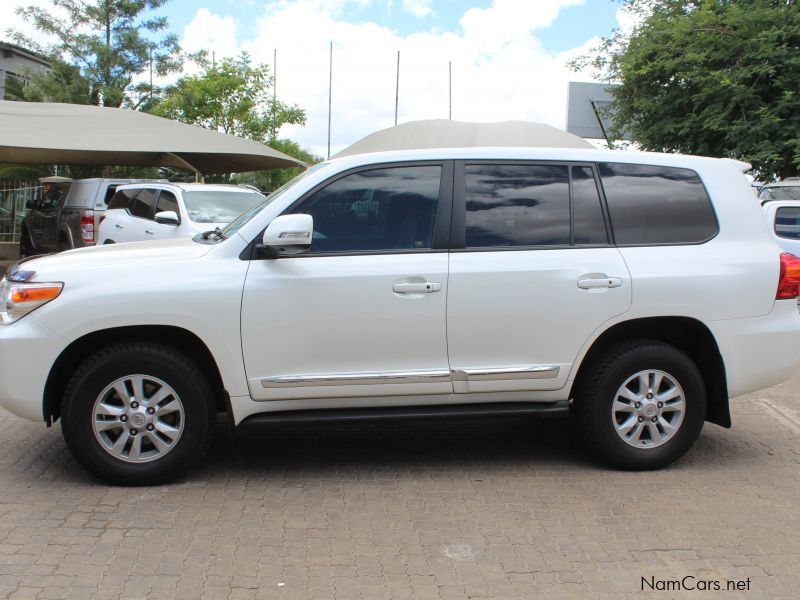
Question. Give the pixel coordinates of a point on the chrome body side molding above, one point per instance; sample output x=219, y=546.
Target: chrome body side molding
x=530, y=372
x=429, y=376
x=356, y=378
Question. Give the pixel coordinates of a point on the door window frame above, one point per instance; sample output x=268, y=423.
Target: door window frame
x=458, y=230
x=442, y=223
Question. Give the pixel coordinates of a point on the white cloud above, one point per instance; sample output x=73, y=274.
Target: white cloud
x=9, y=19
x=211, y=32
x=418, y=8
x=500, y=69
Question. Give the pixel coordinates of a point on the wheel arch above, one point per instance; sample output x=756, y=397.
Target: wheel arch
x=689, y=335
x=79, y=350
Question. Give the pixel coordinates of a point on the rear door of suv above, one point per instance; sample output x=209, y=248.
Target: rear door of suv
x=533, y=273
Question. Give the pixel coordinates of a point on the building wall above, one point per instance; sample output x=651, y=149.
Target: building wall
x=16, y=61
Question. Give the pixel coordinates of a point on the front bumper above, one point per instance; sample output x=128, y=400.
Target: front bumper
x=28, y=351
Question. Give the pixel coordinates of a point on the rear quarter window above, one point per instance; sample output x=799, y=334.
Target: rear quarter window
x=652, y=205
x=122, y=199
x=787, y=222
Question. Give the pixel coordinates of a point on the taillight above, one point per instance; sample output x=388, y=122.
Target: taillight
x=789, y=282
x=87, y=227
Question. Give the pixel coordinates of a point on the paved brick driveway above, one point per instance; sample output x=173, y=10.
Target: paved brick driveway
x=499, y=509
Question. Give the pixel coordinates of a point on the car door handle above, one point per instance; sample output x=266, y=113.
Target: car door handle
x=599, y=281
x=425, y=287
x=149, y=232
x=118, y=226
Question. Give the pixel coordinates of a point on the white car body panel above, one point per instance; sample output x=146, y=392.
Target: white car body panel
x=317, y=316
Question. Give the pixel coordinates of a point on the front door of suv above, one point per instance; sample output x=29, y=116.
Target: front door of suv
x=532, y=274
x=362, y=312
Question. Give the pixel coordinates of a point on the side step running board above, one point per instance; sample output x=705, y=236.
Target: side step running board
x=555, y=409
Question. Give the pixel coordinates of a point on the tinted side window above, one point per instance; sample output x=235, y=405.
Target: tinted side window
x=122, y=199
x=143, y=203
x=110, y=191
x=588, y=224
x=517, y=205
x=657, y=205
x=167, y=201
x=379, y=209
x=787, y=222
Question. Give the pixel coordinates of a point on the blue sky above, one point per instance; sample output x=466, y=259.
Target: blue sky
x=509, y=57
x=574, y=25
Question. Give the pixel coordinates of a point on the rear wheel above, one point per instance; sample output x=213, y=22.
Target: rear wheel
x=642, y=406
x=63, y=244
x=138, y=414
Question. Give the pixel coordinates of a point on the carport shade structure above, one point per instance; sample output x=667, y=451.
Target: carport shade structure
x=72, y=134
x=443, y=133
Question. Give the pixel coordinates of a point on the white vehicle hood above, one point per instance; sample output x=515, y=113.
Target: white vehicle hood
x=118, y=254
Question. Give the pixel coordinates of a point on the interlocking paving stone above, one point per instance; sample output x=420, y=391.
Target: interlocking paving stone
x=497, y=508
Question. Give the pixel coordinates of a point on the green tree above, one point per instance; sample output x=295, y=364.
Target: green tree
x=711, y=77
x=233, y=96
x=99, y=47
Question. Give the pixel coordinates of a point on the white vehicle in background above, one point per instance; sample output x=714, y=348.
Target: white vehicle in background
x=783, y=218
x=788, y=189
x=158, y=211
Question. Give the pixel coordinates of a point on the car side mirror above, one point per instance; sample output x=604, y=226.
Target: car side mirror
x=288, y=234
x=168, y=217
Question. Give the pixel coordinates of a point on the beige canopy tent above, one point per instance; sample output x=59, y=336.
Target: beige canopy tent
x=49, y=133
x=443, y=133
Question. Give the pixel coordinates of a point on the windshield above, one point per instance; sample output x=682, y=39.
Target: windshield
x=220, y=206
x=784, y=192
x=243, y=218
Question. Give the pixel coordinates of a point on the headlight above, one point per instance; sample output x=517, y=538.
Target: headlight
x=18, y=298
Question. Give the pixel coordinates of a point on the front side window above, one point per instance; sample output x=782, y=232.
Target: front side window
x=376, y=210
x=651, y=205
x=787, y=222
x=143, y=203
x=517, y=205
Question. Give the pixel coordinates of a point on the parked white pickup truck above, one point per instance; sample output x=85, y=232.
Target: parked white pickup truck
x=638, y=292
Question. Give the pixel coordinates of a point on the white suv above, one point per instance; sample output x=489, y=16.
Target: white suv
x=638, y=292
x=158, y=211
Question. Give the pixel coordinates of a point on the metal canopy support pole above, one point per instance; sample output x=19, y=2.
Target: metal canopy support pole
x=198, y=176
x=600, y=122
x=330, y=95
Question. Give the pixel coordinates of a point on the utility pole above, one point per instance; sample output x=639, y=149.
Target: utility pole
x=450, y=88
x=397, y=89
x=330, y=95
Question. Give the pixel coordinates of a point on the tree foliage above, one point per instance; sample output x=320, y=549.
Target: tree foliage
x=711, y=77
x=231, y=96
x=99, y=46
x=235, y=97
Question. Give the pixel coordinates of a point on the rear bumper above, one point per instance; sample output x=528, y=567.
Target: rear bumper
x=760, y=352
x=28, y=350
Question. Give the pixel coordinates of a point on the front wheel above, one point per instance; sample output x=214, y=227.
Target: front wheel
x=642, y=406
x=138, y=413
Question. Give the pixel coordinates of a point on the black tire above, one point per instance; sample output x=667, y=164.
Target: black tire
x=25, y=245
x=595, y=396
x=138, y=358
